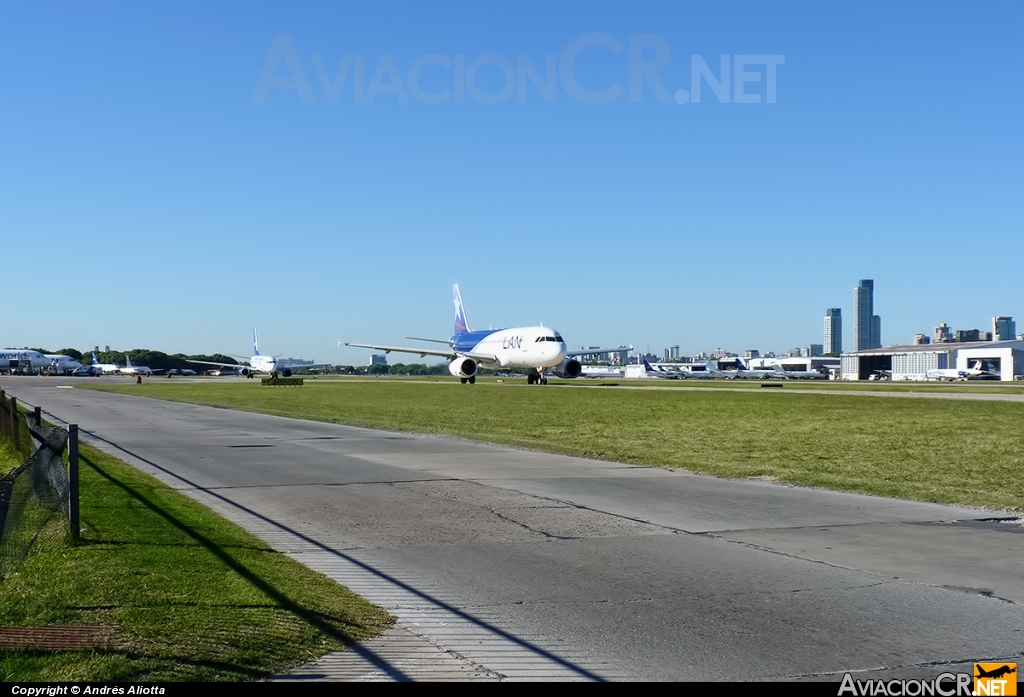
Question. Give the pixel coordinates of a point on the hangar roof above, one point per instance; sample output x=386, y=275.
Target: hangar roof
x=933, y=348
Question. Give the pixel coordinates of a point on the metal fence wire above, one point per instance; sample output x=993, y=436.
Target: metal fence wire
x=34, y=498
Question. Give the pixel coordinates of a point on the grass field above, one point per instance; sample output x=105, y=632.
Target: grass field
x=173, y=591
x=950, y=451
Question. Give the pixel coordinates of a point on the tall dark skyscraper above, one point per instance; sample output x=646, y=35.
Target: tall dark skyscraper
x=833, y=330
x=868, y=326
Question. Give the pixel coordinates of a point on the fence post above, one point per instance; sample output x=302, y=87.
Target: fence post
x=15, y=430
x=3, y=414
x=73, y=479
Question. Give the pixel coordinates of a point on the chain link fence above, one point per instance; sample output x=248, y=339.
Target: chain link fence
x=38, y=498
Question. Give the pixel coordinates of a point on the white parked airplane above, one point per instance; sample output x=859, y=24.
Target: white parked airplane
x=976, y=372
x=535, y=349
x=703, y=371
x=24, y=360
x=130, y=369
x=781, y=372
x=659, y=371
x=61, y=364
x=258, y=363
x=105, y=368
x=752, y=373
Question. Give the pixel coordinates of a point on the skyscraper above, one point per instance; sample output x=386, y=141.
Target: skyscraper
x=1004, y=328
x=868, y=325
x=833, y=330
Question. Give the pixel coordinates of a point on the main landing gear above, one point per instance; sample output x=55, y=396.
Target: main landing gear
x=535, y=378
x=471, y=381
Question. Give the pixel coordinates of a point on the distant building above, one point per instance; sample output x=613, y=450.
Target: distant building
x=963, y=335
x=376, y=359
x=1004, y=360
x=943, y=334
x=620, y=357
x=868, y=326
x=921, y=340
x=751, y=353
x=812, y=350
x=833, y=330
x=1003, y=328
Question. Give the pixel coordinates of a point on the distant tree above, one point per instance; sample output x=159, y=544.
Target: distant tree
x=77, y=355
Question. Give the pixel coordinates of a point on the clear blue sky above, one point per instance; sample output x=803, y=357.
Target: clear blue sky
x=159, y=190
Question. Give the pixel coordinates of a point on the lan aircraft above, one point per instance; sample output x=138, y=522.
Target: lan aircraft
x=258, y=363
x=535, y=349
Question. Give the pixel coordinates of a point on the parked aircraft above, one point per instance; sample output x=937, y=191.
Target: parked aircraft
x=976, y=372
x=258, y=363
x=781, y=372
x=535, y=349
x=22, y=360
x=752, y=373
x=130, y=369
x=62, y=364
x=703, y=371
x=105, y=368
x=659, y=371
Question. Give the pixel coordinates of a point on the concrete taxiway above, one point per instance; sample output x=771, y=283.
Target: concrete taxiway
x=505, y=564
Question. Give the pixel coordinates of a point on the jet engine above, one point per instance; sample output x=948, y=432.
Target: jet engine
x=462, y=368
x=245, y=371
x=569, y=368
x=285, y=372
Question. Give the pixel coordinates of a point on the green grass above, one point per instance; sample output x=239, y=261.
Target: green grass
x=949, y=451
x=184, y=594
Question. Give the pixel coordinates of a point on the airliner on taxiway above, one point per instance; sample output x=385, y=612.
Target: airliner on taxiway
x=534, y=349
x=258, y=363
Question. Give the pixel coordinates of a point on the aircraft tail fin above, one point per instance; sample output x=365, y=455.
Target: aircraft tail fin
x=461, y=323
x=94, y=361
x=648, y=368
x=255, y=343
x=127, y=361
x=739, y=364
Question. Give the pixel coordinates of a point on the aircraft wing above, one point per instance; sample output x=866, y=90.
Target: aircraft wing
x=433, y=341
x=222, y=365
x=584, y=352
x=450, y=354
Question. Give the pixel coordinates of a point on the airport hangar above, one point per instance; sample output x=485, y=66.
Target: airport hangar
x=1006, y=358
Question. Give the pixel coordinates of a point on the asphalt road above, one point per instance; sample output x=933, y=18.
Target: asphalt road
x=505, y=564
